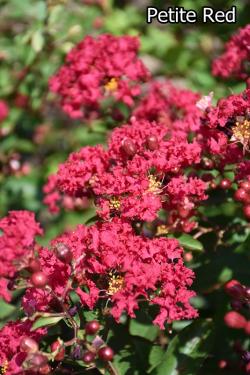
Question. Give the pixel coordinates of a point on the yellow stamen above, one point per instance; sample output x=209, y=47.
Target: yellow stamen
x=4, y=367
x=161, y=229
x=112, y=84
x=154, y=185
x=241, y=132
x=115, y=284
x=114, y=203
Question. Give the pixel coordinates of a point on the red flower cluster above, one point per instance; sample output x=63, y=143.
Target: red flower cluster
x=16, y=245
x=114, y=264
x=172, y=107
x=96, y=69
x=131, y=178
x=229, y=110
x=235, y=62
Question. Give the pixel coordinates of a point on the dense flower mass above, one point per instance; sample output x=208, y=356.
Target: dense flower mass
x=96, y=69
x=16, y=244
x=165, y=157
x=115, y=264
x=235, y=61
x=173, y=107
x=130, y=179
x=234, y=108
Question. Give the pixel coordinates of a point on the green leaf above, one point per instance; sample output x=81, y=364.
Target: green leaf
x=187, y=350
x=6, y=309
x=155, y=357
x=188, y=242
x=142, y=327
x=46, y=321
x=91, y=220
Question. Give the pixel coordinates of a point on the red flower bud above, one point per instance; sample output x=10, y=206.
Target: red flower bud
x=39, y=279
x=235, y=320
x=222, y=364
x=45, y=370
x=34, y=265
x=106, y=353
x=128, y=147
x=152, y=143
x=241, y=195
x=28, y=345
x=234, y=289
x=88, y=357
x=245, y=185
x=63, y=253
x=36, y=360
x=92, y=327
x=246, y=211
x=54, y=347
x=225, y=184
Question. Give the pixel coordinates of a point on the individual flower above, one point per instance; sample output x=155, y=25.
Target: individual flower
x=96, y=69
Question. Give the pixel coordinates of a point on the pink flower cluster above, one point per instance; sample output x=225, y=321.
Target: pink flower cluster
x=16, y=245
x=173, y=107
x=235, y=61
x=228, y=110
x=96, y=69
x=131, y=178
x=111, y=263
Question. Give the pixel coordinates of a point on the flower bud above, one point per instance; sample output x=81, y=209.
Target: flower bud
x=234, y=289
x=63, y=253
x=246, y=211
x=34, y=265
x=39, y=279
x=36, y=360
x=225, y=183
x=235, y=320
x=92, y=327
x=241, y=195
x=88, y=357
x=128, y=147
x=152, y=142
x=54, y=348
x=28, y=345
x=106, y=353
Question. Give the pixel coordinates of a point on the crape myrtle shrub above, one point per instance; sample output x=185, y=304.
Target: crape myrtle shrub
x=155, y=276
